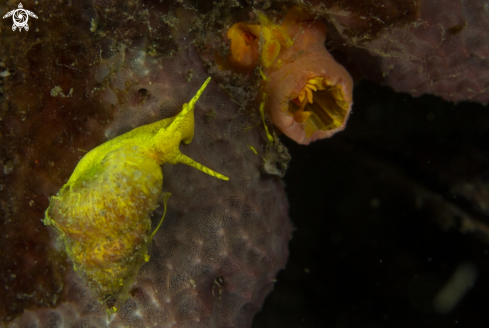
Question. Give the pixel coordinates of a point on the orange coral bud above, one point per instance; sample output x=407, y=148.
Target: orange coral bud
x=245, y=40
x=281, y=36
x=244, y=44
x=274, y=37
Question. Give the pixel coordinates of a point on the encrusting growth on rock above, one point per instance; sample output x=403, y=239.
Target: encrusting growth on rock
x=102, y=213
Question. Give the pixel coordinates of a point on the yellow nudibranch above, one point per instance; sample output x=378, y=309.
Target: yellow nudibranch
x=102, y=214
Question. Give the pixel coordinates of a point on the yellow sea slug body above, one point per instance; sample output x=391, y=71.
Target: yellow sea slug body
x=102, y=214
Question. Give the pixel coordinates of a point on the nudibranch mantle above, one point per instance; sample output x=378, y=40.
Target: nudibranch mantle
x=102, y=214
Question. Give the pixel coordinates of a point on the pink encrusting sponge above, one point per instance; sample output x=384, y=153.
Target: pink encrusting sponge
x=310, y=94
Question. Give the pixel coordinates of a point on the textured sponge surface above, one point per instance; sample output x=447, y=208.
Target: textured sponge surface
x=216, y=255
x=445, y=52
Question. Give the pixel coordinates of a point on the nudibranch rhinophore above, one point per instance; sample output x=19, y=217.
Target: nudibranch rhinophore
x=102, y=214
x=309, y=93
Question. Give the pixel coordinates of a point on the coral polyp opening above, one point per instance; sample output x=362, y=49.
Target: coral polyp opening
x=324, y=109
x=248, y=38
x=310, y=94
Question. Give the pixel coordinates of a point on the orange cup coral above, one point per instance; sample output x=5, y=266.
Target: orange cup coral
x=310, y=94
